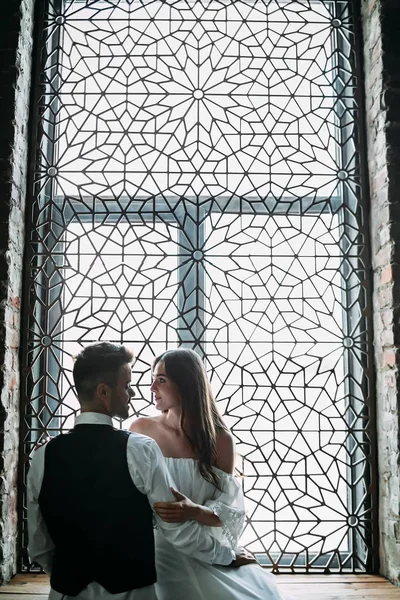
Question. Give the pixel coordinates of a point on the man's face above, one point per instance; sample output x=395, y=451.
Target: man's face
x=121, y=393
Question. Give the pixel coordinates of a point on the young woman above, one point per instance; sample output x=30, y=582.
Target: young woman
x=200, y=454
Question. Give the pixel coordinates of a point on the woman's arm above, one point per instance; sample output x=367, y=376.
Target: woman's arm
x=206, y=516
x=185, y=510
x=226, y=452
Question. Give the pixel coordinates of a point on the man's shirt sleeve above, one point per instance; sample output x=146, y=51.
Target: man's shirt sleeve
x=150, y=474
x=41, y=546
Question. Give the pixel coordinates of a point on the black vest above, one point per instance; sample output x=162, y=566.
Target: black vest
x=100, y=523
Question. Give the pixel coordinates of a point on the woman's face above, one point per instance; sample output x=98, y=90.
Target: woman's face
x=165, y=391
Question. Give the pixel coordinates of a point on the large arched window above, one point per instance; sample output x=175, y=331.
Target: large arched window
x=197, y=182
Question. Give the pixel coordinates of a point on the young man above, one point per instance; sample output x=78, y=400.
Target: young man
x=90, y=492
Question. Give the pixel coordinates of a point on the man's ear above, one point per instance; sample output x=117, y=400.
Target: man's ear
x=103, y=391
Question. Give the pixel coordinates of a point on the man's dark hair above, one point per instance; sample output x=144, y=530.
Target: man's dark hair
x=98, y=363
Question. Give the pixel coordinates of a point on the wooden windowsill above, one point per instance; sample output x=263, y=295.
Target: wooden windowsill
x=302, y=587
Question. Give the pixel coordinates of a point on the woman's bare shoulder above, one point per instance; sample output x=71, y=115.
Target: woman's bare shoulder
x=225, y=451
x=144, y=425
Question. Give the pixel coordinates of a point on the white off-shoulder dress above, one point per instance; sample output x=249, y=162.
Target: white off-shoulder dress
x=180, y=577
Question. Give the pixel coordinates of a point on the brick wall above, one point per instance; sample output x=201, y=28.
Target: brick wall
x=15, y=57
x=381, y=24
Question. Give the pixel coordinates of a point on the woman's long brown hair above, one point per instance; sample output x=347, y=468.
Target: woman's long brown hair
x=200, y=419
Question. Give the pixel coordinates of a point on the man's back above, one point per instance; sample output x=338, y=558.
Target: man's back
x=94, y=514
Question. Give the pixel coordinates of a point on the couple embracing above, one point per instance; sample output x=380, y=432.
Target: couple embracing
x=93, y=493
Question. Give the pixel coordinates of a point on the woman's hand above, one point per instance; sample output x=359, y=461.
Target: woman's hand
x=177, y=512
x=243, y=557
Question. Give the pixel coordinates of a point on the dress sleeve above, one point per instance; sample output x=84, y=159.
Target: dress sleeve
x=228, y=505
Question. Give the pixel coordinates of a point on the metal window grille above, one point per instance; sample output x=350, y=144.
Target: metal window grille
x=197, y=181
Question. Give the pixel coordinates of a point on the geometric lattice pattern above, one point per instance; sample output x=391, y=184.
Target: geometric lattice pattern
x=197, y=183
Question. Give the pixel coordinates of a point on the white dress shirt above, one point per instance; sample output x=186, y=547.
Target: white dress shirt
x=150, y=475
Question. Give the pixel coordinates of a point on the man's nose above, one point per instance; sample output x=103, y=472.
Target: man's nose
x=131, y=392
